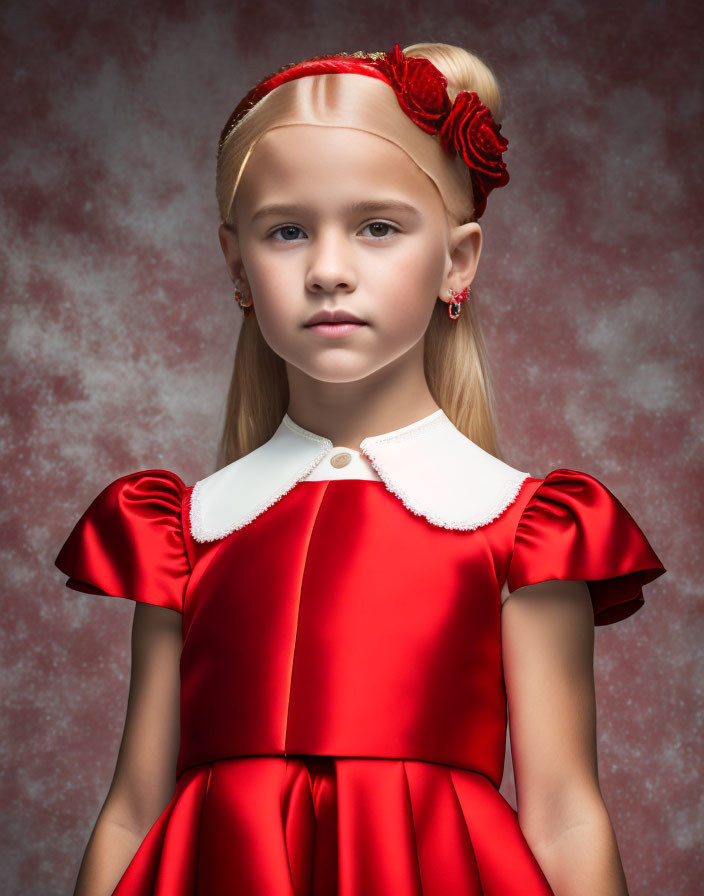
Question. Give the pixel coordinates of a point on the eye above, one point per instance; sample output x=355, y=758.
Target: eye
x=287, y=228
x=376, y=224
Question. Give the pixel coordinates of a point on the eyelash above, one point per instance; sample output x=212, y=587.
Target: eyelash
x=295, y=227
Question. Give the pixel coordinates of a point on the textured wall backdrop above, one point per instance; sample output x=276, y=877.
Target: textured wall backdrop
x=121, y=328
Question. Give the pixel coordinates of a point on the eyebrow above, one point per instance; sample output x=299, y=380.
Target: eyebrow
x=366, y=205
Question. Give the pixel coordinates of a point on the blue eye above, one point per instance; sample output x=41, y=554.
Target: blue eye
x=288, y=227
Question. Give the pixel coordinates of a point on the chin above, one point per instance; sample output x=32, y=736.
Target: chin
x=336, y=373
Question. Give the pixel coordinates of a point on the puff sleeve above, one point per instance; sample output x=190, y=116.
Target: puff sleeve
x=129, y=542
x=573, y=527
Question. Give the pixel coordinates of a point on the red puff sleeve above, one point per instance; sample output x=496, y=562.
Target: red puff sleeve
x=573, y=527
x=129, y=542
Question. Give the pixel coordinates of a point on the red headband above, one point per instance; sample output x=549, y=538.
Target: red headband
x=465, y=126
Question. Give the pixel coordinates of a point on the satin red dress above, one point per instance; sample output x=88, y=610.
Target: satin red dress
x=343, y=709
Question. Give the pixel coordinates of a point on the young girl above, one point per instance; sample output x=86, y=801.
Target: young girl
x=331, y=629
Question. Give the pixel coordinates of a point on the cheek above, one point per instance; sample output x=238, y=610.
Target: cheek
x=275, y=317
x=271, y=288
x=279, y=314
x=411, y=288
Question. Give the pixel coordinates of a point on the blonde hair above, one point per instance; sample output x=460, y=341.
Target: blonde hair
x=455, y=361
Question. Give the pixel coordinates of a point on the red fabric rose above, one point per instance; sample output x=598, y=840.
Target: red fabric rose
x=419, y=86
x=471, y=131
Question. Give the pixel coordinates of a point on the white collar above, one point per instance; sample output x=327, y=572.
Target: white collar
x=433, y=468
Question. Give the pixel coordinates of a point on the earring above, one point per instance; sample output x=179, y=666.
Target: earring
x=454, y=307
x=241, y=296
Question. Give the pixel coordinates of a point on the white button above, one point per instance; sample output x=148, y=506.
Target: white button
x=341, y=459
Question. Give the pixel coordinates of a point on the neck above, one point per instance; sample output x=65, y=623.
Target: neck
x=346, y=413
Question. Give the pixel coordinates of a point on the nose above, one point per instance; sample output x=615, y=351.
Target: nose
x=330, y=263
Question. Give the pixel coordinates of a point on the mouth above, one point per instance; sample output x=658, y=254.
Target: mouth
x=335, y=328
x=334, y=318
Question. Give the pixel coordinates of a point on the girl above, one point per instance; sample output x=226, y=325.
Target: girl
x=331, y=629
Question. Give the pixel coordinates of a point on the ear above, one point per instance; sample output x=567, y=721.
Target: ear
x=230, y=245
x=464, y=249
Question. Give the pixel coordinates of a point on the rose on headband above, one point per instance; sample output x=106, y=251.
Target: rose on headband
x=470, y=130
x=419, y=87
x=465, y=126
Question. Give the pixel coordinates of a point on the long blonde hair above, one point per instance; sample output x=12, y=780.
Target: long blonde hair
x=455, y=360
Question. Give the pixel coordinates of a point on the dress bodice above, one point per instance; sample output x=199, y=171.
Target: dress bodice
x=340, y=623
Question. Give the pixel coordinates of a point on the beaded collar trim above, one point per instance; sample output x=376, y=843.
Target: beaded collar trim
x=432, y=468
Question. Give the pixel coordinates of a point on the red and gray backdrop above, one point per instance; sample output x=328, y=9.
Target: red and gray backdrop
x=120, y=329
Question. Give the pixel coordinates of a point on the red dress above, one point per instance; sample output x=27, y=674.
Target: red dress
x=343, y=710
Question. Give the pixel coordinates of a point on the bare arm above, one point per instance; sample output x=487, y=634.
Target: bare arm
x=548, y=655
x=145, y=772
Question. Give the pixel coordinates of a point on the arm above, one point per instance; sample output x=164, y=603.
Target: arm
x=548, y=648
x=145, y=771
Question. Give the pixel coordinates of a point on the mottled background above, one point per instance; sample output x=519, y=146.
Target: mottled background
x=121, y=328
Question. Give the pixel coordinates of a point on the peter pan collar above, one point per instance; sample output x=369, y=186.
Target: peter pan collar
x=432, y=467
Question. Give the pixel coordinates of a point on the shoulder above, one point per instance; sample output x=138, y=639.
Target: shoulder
x=134, y=511
x=129, y=542
x=565, y=496
x=146, y=497
x=149, y=481
x=153, y=490
x=572, y=527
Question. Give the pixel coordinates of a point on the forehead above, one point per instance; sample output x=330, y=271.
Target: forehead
x=330, y=160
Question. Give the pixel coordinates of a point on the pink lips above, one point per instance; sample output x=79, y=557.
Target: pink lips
x=331, y=330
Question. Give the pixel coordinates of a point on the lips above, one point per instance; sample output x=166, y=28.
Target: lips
x=338, y=316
